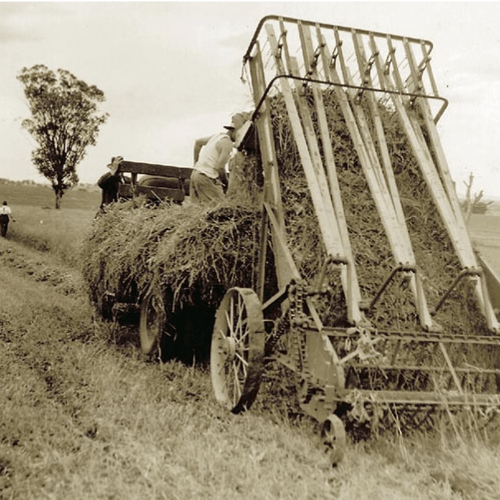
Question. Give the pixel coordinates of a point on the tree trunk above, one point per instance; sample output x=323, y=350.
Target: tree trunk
x=58, y=200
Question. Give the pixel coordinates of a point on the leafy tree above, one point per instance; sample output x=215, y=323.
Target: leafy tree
x=65, y=121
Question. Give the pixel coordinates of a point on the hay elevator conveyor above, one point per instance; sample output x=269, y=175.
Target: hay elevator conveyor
x=347, y=363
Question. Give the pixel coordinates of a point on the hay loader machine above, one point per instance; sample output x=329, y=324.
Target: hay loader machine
x=351, y=366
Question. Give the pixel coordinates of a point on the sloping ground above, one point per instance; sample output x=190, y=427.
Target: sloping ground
x=84, y=417
x=493, y=208
x=485, y=233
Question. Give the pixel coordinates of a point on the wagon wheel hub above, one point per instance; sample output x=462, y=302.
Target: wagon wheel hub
x=229, y=349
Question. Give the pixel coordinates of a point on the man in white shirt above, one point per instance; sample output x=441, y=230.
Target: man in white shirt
x=5, y=217
x=211, y=155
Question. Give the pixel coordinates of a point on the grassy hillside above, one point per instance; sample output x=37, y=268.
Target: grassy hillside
x=40, y=195
x=85, y=417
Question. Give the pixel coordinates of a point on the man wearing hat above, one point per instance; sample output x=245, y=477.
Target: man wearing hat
x=110, y=182
x=211, y=155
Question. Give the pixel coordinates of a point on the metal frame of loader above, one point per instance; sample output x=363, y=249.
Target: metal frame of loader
x=290, y=55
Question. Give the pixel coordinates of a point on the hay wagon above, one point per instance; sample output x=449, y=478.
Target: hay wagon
x=390, y=327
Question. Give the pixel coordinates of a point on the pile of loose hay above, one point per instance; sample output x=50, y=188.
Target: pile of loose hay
x=192, y=253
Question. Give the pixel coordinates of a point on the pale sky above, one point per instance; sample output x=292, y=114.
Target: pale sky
x=171, y=71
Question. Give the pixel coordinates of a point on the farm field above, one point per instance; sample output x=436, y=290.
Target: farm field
x=485, y=232
x=85, y=416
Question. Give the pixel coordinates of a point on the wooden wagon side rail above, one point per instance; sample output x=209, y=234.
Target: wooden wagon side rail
x=164, y=181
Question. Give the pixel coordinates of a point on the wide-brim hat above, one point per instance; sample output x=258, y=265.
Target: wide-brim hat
x=240, y=118
x=115, y=163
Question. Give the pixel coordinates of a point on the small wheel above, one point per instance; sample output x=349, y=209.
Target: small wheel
x=237, y=349
x=334, y=438
x=151, y=321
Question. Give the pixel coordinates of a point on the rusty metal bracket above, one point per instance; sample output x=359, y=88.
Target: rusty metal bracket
x=388, y=62
x=465, y=272
x=335, y=54
x=335, y=260
x=366, y=78
x=280, y=45
x=402, y=268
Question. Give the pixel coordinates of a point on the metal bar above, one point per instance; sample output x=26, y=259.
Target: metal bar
x=462, y=274
x=423, y=368
x=422, y=337
x=276, y=78
x=261, y=265
x=325, y=26
x=279, y=297
x=451, y=367
x=384, y=285
x=422, y=397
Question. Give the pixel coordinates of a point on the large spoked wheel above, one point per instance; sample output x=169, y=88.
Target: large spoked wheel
x=237, y=350
x=334, y=438
x=152, y=321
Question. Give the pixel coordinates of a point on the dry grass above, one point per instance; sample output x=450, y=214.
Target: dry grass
x=60, y=232
x=83, y=416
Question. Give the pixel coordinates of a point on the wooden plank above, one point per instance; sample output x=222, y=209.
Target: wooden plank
x=263, y=123
x=380, y=137
x=360, y=146
x=424, y=158
x=460, y=241
x=129, y=190
x=440, y=158
x=281, y=242
x=322, y=212
x=318, y=187
x=352, y=290
x=361, y=135
x=272, y=190
x=317, y=177
x=401, y=230
x=155, y=169
x=430, y=73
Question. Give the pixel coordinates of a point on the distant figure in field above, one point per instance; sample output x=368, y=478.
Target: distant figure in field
x=211, y=155
x=5, y=217
x=110, y=182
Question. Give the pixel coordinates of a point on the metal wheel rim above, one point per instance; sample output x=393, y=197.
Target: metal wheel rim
x=151, y=321
x=334, y=438
x=237, y=350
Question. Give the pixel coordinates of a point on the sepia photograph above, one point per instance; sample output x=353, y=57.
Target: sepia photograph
x=249, y=250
